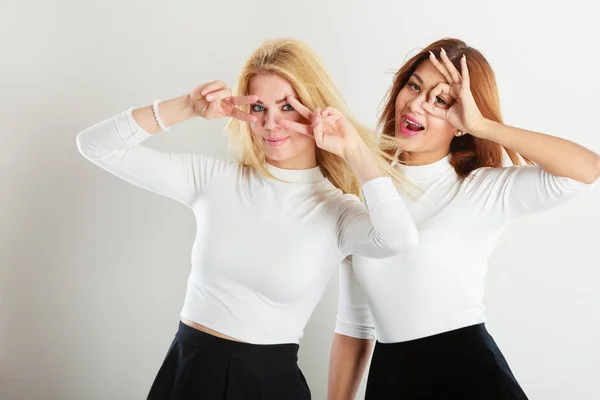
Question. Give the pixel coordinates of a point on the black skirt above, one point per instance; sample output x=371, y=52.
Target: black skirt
x=202, y=366
x=462, y=364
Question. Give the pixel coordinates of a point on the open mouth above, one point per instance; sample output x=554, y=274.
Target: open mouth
x=410, y=127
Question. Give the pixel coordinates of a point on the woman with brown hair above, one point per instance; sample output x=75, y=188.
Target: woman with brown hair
x=426, y=305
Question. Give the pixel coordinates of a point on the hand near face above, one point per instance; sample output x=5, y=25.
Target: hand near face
x=214, y=100
x=463, y=114
x=330, y=129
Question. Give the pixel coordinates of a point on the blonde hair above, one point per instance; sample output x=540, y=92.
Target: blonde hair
x=299, y=64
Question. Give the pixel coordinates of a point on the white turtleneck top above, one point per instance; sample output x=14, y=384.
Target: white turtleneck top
x=265, y=248
x=438, y=286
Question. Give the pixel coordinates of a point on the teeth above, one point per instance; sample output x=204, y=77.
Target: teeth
x=407, y=122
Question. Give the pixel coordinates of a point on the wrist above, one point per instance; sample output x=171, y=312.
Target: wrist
x=362, y=162
x=482, y=128
x=176, y=110
x=354, y=151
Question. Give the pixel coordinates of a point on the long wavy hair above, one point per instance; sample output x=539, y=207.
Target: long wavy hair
x=300, y=65
x=468, y=153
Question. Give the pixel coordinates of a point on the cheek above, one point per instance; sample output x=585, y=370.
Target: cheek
x=260, y=121
x=404, y=97
x=257, y=128
x=293, y=116
x=441, y=128
x=301, y=141
x=438, y=135
x=401, y=101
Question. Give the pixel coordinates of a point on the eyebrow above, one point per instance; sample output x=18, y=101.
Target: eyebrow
x=284, y=100
x=418, y=78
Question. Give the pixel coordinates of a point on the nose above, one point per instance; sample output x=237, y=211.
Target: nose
x=414, y=105
x=270, y=122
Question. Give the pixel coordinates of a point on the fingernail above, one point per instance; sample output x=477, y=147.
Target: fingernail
x=432, y=55
x=443, y=51
x=209, y=97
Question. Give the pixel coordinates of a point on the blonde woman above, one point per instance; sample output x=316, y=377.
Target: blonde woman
x=272, y=226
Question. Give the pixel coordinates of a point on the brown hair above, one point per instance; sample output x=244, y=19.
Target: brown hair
x=468, y=153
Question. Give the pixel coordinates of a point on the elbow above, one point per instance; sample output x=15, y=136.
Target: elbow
x=81, y=146
x=393, y=248
x=413, y=239
x=593, y=173
x=85, y=148
x=406, y=242
x=596, y=174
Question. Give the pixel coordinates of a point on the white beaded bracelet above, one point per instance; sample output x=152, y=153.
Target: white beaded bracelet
x=161, y=125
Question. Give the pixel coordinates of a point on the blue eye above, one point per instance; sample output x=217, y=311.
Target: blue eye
x=288, y=107
x=257, y=108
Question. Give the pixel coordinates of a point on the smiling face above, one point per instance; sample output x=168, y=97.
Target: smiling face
x=283, y=148
x=424, y=138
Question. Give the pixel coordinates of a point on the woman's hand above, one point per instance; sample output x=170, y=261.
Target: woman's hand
x=214, y=100
x=463, y=114
x=330, y=129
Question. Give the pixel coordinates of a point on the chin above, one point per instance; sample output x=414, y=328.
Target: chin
x=270, y=157
x=277, y=155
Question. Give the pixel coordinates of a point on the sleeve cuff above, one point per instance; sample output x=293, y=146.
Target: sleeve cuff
x=129, y=130
x=355, y=331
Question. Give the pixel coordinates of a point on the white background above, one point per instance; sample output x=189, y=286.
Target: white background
x=93, y=270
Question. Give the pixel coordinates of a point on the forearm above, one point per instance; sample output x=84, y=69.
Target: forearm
x=555, y=155
x=362, y=162
x=171, y=112
x=347, y=363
